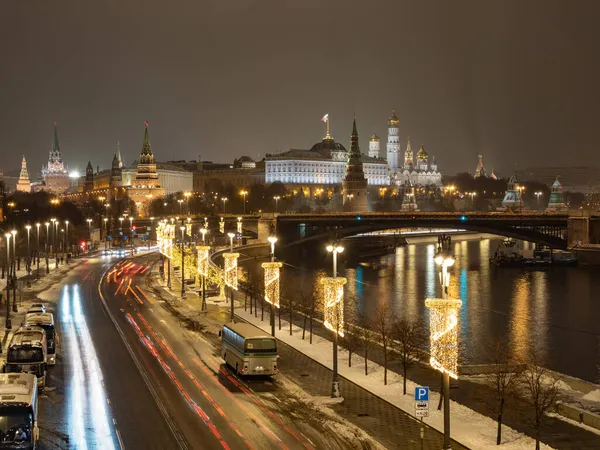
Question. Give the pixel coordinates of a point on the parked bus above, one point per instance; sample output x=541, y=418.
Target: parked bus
x=27, y=353
x=45, y=320
x=249, y=350
x=18, y=411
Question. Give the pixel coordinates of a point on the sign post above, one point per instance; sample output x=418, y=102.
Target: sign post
x=422, y=406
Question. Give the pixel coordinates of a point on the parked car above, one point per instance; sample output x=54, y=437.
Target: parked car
x=37, y=308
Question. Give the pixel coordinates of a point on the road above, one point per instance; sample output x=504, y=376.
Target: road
x=135, y=377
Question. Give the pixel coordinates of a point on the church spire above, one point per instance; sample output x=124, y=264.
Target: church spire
x=146, y=156
x=354, y=184
x=118, y=155
x=55, y=143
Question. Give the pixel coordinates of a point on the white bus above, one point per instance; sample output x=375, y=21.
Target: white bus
x=45, y=320
x=18, y=411
x=249, y=350
x=27, y=353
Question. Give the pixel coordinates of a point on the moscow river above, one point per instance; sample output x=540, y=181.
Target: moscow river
x=554, y=312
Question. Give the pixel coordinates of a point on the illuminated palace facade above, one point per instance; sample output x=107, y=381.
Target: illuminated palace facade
x=324, y=164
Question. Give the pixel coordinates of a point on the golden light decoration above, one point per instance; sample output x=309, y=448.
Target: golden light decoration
x=333, y=303
x=231, y=272
x=443, y=324
x=203, y=252
x=222, y=226
x=239, y=225
x=188, y=229
x=272, y=279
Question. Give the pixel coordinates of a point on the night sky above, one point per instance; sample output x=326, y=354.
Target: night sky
x=518, y=81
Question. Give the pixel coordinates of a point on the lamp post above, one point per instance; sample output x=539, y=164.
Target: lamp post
x=8, y=324
x=231, y=235
x=443, y=335
x=272, y=240
x=89, y=221
x=105, y=230
x=187, y=201
x=335, y=389
x=244, y=194
x=14, y=280
x=182, y=228
x=37, y=247
x=538, y=194
x=47, y=266
x=54, y=231
x=224, y=200
x=203, y=265
x=276, y=198
x=66, y=243
x=28, y=265
x=350, y=197
x=151, y=228
x=472, y=194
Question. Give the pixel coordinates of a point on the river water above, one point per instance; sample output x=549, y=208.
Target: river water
x=553, y=312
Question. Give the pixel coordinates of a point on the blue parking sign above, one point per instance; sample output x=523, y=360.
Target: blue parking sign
x=422, y=393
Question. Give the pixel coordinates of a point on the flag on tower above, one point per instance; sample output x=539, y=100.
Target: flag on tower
x=325, y=118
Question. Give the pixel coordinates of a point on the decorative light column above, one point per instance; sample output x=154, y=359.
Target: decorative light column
x=239, y=226
x=222, y=226
x=443, y=324
x=231, y=273
x=203, y=255
x=28, y=264
x=182, y=228
x=14, y=280
x=272, y=280
x=333, y=312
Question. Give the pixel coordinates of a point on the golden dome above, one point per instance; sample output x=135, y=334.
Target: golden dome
x=422, y=154
x=374, y=138
x=393, y=120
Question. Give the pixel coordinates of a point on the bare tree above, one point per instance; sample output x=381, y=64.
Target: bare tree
x=366, y=338
x=383, y=321
x=411, y=337
x=303, y=300
x=504, y=378
x=540, y=390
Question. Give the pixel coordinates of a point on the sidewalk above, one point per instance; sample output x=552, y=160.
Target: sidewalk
x=378, y=418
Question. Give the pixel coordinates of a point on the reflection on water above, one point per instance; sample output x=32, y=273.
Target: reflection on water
x=554, y=312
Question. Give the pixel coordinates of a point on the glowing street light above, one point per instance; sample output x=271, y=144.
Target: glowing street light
x=231, y=236
x=333, y=311
x=224, y=200
x=444, y=335
x=277, y=198
x=538, y=194
x=272, y=280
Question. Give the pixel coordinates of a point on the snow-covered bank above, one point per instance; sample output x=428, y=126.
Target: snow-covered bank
x=468, y=427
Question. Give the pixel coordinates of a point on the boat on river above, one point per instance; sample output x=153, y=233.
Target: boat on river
x=510, y=254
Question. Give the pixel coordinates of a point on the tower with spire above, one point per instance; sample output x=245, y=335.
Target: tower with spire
x=556, y=201
x=89, y=178
x=55, y=175
x=374, y=147
x=480, y=170
x=354, y=184
x=146, y=185
x=393, y=143
x=24, y=183
x=409, y=161
x=513, y=199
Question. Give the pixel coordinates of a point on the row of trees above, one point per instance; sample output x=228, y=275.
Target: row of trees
x=384, y=337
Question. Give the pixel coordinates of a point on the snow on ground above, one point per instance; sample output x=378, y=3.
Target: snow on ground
x=468, y=427
x=593, y=396
x=574, y=422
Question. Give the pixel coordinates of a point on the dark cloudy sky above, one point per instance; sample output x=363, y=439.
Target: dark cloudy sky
x=517, y=80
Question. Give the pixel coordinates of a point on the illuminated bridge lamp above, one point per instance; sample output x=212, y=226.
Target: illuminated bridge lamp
x=231, y=275
x=222, y=226
x=203, y=254
x=239, y=225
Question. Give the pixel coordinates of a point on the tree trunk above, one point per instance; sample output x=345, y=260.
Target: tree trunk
x=245, y=300
x=366, y=361
x=500, y=411
x=262, y=309
x=385, y=365
x=404, y=381
x=349, y=358
x=279, y=317
x=310, y=332
x=304, y=327
x=537, y=434
x=291, y=317
x=251, y=304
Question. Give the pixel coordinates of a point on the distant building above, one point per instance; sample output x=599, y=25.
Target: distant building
x=24, y=183
x=584, y=179
x=556, y=201
x=55, y=176
x=323, y=164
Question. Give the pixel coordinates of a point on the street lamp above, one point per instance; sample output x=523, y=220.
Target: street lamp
x=37, y=226
x=444, y=335
x=203, y=253
x=538, y=194
x=14, y=281
x=105, y=231
x=335, y=389
x=231, y=236
x=203, y=232
x=8, y=324
x=274, y=283
x=47, y=267
x=224, y=199
x=182, y=228
x=276, y=198
x=67, y=240
x=28, y=228
x=187, y=201
x=244, y=194
x=180, y=201
x=121, y=223
x=350, y=197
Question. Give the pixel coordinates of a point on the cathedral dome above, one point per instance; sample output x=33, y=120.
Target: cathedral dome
x=374, y=138
x=327, y=146
x=393, y=120
x=422, y=154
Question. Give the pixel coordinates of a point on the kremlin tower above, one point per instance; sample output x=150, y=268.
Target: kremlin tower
x=354, y=184
x=556, y=201
x=23, y=183
x=393, y=144
x=54, y=174
x=374, y=146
